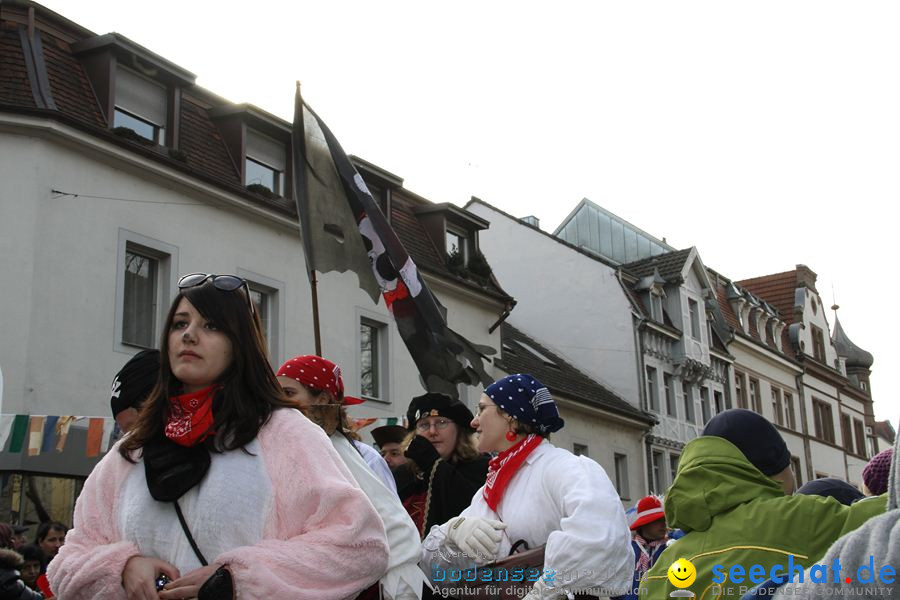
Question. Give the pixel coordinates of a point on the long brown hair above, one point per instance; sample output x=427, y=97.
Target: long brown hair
x=249, y=391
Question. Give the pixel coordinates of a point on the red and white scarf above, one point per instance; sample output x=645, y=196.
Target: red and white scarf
x=502, y=468
x=190, y=419
x=647, y=550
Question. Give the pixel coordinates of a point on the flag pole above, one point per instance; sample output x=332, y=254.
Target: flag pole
x=301, y=190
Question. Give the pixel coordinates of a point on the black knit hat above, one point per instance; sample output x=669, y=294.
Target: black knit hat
x=135, y=381
x=831, y=487
x=439, y=405
x=754, y=436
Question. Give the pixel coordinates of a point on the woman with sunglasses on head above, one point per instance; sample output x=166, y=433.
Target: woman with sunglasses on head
x=444, y=467
x=315, y=383
x=538, y=493
x=220, y=468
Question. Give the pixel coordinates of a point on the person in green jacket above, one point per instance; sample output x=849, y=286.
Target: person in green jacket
x=732, y=497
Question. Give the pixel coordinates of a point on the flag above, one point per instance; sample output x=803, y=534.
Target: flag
x=49, y=433
x=62, y=431
x=94, y=436
x=35, y=435
x=343, y=228
x=19, y=430
x=6, y=422
x=364, y=422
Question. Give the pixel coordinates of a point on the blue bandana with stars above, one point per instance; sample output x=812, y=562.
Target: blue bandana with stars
x=528, y=400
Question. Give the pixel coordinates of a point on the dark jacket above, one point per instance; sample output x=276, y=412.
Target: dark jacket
x=11, y=585
x=452, y=485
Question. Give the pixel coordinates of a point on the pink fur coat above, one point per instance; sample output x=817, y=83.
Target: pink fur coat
x=287, y=518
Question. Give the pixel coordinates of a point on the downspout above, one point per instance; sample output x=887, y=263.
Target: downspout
x=807, y=451
x=503, y=316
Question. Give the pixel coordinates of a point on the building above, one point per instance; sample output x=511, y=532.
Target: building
x=119, y=175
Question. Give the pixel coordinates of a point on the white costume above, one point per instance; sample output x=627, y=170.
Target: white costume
x=377, y=463
x=403, y=579
x=564, y=501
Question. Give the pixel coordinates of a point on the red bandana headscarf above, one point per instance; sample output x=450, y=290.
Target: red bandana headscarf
x=502, y=468
x=190, y=419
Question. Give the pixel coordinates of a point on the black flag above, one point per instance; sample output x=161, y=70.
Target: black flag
x=343, y=229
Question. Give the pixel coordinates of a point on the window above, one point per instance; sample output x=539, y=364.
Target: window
x=370, y=334
x=704, y=405
x=657, y=472
x=740, y=389
x=789, y=418
x=673, y=466
x=688, y=392
x=777, y=409
x=755, y=400
x=139, y=309
x=656, y=307
x=579, y=450
x=264, y=162
x=621, y=462
x=652, y=389
x=795, y=467
x=695, y=318
x=456, y=245
x=143, y=284
x=823, y=420
x=818, y=342
x=860, y=437
x=718, y=401
x=670, y=395
x=141, y=105
x=847, y=433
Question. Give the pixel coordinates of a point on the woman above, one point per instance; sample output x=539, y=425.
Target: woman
x=220, y=466
x=315, y=383
x=444, y=468
x=538, y=493
x=50, y=536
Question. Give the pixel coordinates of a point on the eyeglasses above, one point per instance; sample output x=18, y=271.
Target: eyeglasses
x=226, y=283
x=438, y=424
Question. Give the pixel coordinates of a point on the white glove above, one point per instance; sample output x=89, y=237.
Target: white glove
x=478, y=538
x=541, y=592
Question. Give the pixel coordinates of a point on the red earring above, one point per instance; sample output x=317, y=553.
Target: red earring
x=511, y=436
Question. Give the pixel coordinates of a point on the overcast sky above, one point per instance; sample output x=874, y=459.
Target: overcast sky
x=767, y=134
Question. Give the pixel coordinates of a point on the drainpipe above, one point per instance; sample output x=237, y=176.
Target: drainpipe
x=807, y=451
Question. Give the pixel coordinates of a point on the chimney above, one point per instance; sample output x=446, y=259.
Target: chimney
x=806, y=278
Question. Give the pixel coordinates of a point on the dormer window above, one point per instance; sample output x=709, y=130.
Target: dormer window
x=456, y=245
x=140, y=105
x=264, y=162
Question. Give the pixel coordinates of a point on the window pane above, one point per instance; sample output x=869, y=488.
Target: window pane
x=142, y=128
x=622, y=475
x=368, y=360
x=259, y=173
x=139, y=310
x=261, y=304
x=579, y=450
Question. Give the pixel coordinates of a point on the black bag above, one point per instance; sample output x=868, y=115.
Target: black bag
x=172, y=469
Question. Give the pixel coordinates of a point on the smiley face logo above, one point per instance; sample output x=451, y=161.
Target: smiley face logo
x=682, y=573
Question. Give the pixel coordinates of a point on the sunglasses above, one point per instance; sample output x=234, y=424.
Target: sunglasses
x=226, y=283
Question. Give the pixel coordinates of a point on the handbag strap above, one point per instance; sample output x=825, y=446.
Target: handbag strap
x=187, y=532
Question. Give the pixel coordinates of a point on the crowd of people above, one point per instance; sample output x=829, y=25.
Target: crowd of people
x=236, y=482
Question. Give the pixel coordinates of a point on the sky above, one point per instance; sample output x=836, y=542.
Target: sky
x=766, y=134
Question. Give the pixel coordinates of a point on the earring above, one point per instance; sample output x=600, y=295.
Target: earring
x=511, y=436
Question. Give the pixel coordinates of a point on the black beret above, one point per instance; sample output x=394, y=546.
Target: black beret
x=439, y=405
x=754, y=436
x=135, y=381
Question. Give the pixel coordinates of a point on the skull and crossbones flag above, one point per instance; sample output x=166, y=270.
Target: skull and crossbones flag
x=343, y=229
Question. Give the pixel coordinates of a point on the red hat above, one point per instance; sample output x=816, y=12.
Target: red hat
x=318, y=373
x=649, y=509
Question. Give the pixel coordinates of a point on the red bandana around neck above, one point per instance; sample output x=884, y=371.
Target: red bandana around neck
x=502, y=468
x=190, y=416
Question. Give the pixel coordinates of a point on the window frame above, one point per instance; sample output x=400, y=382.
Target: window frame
x=859, y=430
x=621, y=475
x=382, y=349
x=755, y=396
x=823, y=420
x=274, y=289
x=705, y=409
x=656, y=471
x=159, y=131
x=777, y=407
x=790, y=416
x=669, y=393
x=166, y=256
x=652, y=388
x=740, y=388
x=687, y=390
x=797, y=468
x=847, y=432
x=818, y=343
x=463, y=242
x=694, y=313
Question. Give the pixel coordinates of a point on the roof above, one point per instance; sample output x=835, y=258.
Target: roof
x=885, y=430
x=777, y=289
x=518, y=356
x=853, y=354
x=202, y=151
x=669, y=265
